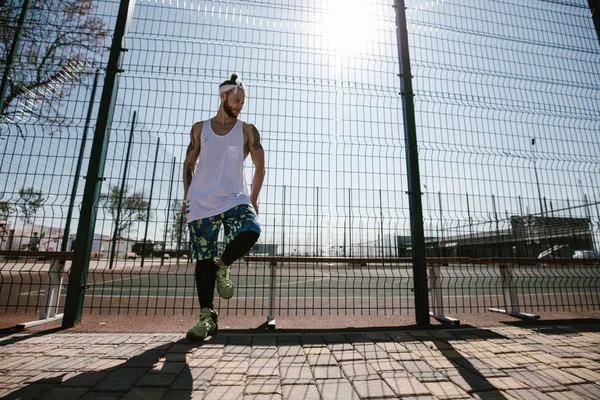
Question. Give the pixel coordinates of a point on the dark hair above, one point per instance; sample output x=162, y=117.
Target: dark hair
x=231, y=81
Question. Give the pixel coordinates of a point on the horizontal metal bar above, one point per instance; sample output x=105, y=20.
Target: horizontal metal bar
x=492, y=261
x=47, y=255
x=40, y=321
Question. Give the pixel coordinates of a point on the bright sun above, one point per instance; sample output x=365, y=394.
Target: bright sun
x=348, y=26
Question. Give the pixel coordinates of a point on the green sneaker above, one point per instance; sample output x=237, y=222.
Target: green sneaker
x=207, y=325
x=224, y=283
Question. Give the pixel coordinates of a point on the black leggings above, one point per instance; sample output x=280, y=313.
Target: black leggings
x=206, y=270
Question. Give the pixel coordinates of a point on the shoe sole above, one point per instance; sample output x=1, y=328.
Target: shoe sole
x=225, y=297
x=193, y=338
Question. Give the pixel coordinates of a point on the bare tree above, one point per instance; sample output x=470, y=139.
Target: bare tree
x=131, y=208
x=29, y=202
x=178, y=229
x=60, y=41
x=6, y=210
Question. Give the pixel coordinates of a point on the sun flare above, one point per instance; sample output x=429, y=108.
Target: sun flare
x=348, y=26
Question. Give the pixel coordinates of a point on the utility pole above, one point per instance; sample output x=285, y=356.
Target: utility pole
x=537, y=181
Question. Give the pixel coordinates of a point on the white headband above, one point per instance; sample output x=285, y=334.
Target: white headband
x=228, y=87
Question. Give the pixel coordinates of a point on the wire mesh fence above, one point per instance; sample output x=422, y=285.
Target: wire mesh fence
x=506, y=106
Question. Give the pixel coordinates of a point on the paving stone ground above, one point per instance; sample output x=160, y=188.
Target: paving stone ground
x=559, y=362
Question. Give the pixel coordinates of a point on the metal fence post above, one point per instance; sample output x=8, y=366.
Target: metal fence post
x=412, y=162
x=283, y=224
x=89, y=207
x=595, y=8
x=49, y=312
x=272, y=287
x=511, y=297
x=162, y=257
x=437, y=296
x=318, y=245
x=150, y=203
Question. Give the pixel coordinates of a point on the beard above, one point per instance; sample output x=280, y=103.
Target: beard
x=229, y=110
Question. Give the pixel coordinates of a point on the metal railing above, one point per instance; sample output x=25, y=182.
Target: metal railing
x=498, y=155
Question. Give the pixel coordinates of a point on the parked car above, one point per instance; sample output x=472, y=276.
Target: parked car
x=586, y=254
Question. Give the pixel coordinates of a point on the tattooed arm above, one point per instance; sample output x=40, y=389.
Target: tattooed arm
x=193, y=151
x=257, y=154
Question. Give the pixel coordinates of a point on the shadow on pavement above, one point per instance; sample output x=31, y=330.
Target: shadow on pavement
x=265, y=329
x=6, y=337
x=466, y=375
x=153, y=373
x=162, y=371
x=558, y=326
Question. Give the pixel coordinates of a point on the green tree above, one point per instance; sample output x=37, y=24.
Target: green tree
x=60, y=42
x=6, y=210
x=133, y=208
x=29, y=202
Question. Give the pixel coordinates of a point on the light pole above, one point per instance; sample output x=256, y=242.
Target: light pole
x=537, y=181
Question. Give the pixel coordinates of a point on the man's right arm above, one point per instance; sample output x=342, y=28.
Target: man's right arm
x=191, y=157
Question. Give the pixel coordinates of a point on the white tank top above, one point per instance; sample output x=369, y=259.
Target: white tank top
x=219, y=183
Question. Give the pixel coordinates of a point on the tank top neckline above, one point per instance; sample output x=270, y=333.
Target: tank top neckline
x=225, y=135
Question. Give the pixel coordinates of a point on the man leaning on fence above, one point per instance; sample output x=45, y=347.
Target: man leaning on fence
x=216, y=193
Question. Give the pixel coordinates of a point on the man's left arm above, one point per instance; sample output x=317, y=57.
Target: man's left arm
x=258, y=159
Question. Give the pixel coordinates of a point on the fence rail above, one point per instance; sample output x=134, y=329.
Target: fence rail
x=277, y=286
x=501, y=164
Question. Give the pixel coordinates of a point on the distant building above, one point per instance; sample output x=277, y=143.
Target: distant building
x=528, y=236
x=269, y=249
x=51, y=240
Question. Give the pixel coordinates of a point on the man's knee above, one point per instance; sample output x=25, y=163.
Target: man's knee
x=247, y=239
x=239, y=246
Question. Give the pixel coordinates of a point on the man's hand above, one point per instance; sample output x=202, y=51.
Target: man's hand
x=184, y=208
x=258, y=159
x=254, y=202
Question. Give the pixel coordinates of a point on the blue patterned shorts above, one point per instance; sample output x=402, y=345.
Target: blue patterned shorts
x=204, y=232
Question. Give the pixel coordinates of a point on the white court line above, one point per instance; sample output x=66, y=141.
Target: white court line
x=39, y=292
x=36, y=293
x=325, y=277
